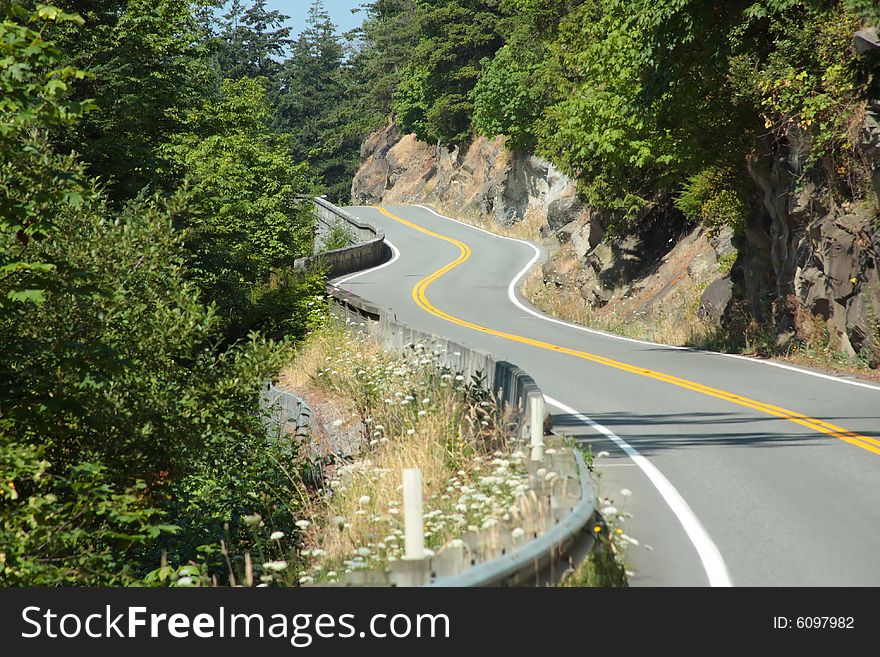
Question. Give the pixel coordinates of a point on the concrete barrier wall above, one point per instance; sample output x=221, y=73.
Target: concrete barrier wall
x=511, y=385
x=367, y=246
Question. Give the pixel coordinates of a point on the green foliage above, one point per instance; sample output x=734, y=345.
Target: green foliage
x=387, y=40
x=243, y=223
x=715, y=198
x=131, y=414
x=149, y=63
x=810, y=83
x=507, y=100
x=69, y=527
x=315, y=105
x=337, y=238
x=118, y=368
x=36, y=183
x=251, y=40
x=434, y=96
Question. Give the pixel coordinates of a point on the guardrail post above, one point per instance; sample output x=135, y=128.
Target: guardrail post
x=536, y=426
x=413, y=521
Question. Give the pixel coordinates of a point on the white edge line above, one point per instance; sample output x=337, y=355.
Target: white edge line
x=706, y=549
x=512, y=295
x=395, y=254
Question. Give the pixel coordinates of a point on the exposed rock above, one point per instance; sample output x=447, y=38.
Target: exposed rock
x=715, y=299
x=485, y=179
x=821, y=254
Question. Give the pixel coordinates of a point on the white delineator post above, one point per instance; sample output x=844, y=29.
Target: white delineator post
x=536, y=426
x=413, y=521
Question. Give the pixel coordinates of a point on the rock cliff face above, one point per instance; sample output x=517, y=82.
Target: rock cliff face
x=486, y=179
x=807, y=256
x=800, y=258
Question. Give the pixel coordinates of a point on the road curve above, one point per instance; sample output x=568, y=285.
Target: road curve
x=742, y=473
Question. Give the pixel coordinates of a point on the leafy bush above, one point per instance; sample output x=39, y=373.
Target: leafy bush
x=713, y=198
x=69, y=526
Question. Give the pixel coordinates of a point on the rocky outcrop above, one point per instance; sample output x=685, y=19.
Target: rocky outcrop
x=808, y=257
x=485, y=179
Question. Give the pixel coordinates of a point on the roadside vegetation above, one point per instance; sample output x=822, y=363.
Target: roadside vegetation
x=411, y=413
x=149, y=222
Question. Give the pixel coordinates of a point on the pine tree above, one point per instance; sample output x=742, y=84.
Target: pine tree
x=252, y=41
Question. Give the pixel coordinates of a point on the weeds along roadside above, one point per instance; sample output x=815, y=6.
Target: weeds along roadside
x=412, y=413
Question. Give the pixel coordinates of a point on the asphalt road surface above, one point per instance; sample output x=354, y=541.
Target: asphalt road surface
x=742, y=472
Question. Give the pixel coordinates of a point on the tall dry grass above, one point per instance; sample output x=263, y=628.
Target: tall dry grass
x=413, y=413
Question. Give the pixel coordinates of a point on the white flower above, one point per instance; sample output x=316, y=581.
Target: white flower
x=338, y=520
x=519, y=532
x=362, y=552
x=276, y=536
x=423, y=413
x=306, y=579
x=364, y=499
x=629, y=539
x=331, y=573
x=337, y=424
x=302, y=524
x=459, y=377
x=276, y=566
x=410, y=432
x=609, y=510
x=626, y=492
x=426, y=400
x=318, y=552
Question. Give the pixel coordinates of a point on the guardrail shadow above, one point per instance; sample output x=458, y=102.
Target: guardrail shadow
x=659, y=432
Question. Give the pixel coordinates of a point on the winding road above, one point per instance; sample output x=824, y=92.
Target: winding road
x=742, y=472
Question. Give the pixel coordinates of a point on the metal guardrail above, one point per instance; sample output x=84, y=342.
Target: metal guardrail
x=539, y=555
x=536, y=561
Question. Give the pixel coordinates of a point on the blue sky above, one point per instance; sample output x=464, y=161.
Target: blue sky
x=340, y=12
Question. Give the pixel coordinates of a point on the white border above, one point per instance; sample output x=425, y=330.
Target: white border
x=706, y=549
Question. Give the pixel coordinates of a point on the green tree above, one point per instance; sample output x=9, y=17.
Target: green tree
x=244, y=225
x=36, y=182
x=150, y=63
x=316, y=105
x=252, y=40
x=434, y=97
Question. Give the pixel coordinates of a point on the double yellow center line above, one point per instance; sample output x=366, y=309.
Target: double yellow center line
x=419, y=296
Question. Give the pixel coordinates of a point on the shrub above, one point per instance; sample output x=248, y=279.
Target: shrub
x=712, y=197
